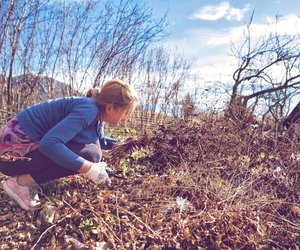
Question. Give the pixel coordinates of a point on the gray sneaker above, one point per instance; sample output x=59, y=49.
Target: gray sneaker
x=26, y=196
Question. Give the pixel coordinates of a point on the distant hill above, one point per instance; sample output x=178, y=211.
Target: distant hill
x=44, y=86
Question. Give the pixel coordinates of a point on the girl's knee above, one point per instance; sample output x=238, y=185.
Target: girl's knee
x=94, y=154
x=91, y=152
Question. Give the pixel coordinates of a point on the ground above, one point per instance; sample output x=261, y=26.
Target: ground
x=188, y=185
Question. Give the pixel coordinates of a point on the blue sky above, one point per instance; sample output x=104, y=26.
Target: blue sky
x=203, y=29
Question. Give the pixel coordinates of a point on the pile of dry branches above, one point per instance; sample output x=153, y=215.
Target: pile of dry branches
x=188, y=185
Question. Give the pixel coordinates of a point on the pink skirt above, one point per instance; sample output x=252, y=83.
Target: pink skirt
x=14, y=143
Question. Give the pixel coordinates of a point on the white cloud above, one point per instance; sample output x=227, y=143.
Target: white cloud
x=222, y=10
x=284, y=24
x=211, y=48
x=287, y=25
x=215, y=68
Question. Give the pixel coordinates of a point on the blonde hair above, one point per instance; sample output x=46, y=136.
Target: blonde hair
x=116, y=92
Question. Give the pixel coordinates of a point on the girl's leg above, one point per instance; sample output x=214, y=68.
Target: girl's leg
x=42, y=169
x=90, y=152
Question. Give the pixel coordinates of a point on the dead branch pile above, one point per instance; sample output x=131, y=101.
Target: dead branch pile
x=204, y=185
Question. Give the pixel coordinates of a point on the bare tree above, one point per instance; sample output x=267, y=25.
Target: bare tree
x=12, y=19
x=81, y=43
x=103, y=40
x=268, y=70
x=23, y=50
x=129, y=33
x=189, y=106
x=160, y=77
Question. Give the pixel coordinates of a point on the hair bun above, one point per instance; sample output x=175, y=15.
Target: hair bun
x=93, y=92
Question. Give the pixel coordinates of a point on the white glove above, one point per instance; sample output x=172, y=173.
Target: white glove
x=98, y=173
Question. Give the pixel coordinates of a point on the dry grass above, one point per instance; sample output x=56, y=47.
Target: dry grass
x=207, y=185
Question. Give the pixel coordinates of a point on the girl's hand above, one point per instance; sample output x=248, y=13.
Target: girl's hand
x=98, y=173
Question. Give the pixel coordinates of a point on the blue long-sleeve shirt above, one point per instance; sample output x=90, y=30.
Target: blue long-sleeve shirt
x=70, y=119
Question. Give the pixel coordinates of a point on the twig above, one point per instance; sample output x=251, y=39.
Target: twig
x=137, y=218
x=41, y=236
x=49, y=228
